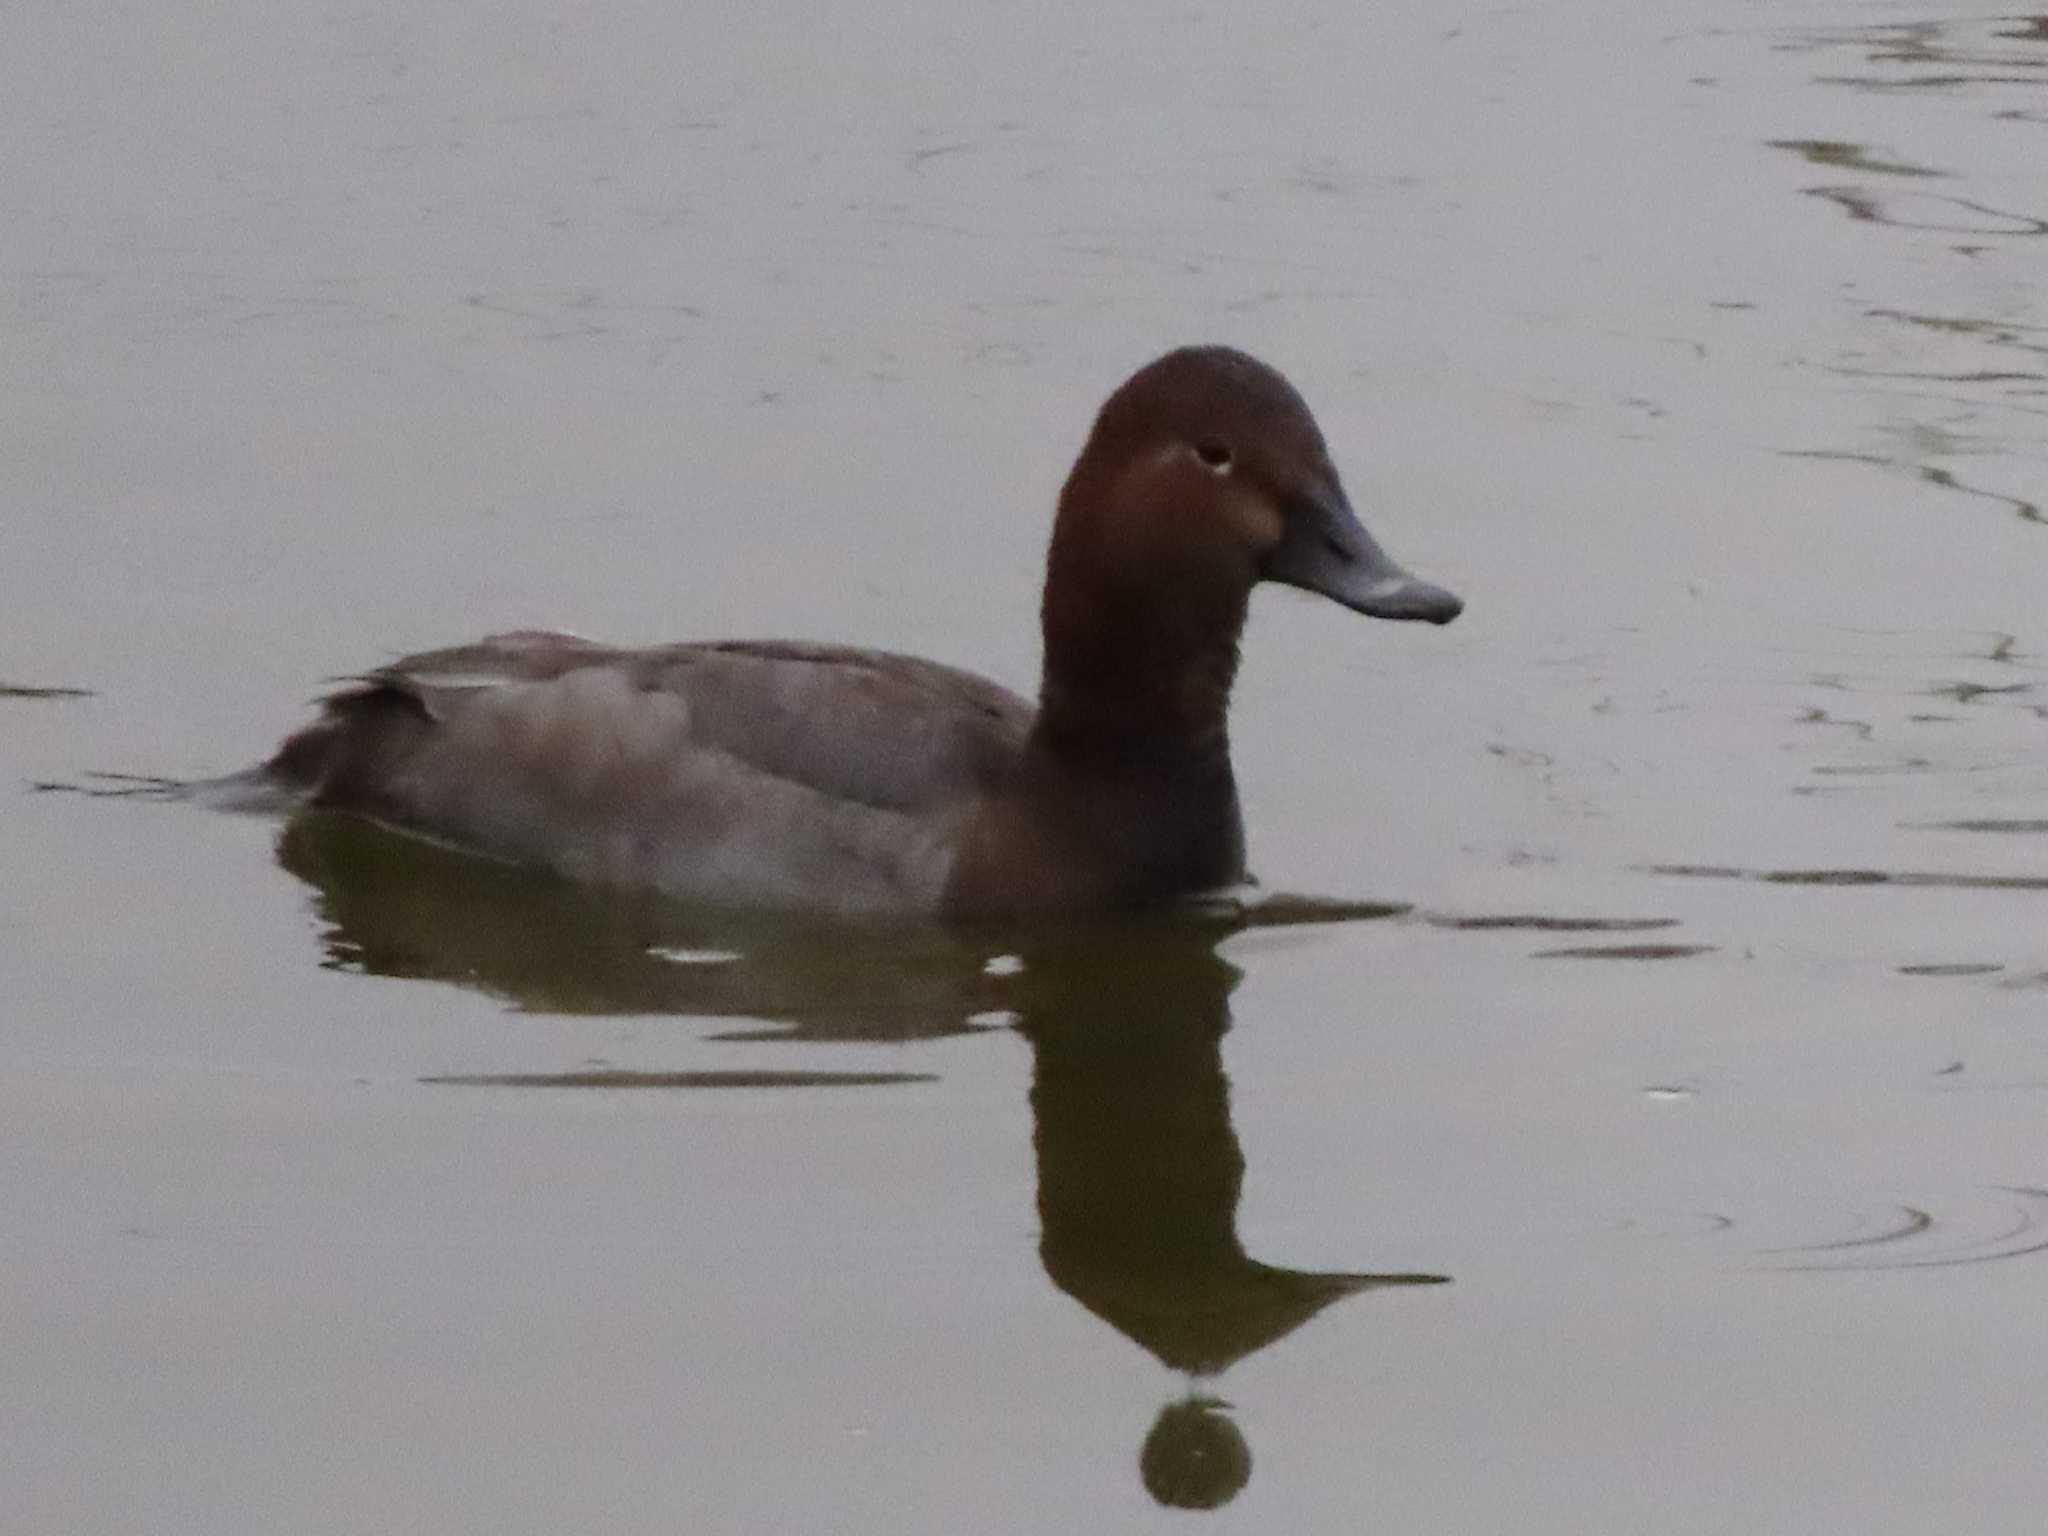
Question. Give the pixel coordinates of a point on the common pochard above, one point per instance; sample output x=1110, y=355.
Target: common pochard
x=783, y=774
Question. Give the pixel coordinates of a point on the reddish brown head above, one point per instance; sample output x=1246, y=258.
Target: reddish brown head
x=1205, y=474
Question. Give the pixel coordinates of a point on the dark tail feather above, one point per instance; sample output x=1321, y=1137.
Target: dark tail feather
x=341, y=757
x=307, y=757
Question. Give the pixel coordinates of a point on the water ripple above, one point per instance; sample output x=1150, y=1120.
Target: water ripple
x=1924, y=879
x=1537, y=922
x=1930, y=211
x=1914, y=1238
x=31, y=691
x=2006, y=1221
x=2014, y=825
x=1625, y=952
x=1910, y=1222
x=615, y=1077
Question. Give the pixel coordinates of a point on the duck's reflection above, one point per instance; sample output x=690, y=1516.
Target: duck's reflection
x=396, y=906
x=1139, y=1169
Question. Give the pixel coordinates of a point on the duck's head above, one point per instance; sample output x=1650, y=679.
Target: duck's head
x=1204, y=475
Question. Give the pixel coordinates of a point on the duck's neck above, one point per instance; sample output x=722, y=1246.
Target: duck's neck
x=1121, y=718
x=1140, y=631
x=1132, y=683
x=1133, y=730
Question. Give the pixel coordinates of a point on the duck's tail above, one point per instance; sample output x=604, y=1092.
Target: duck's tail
x=355, y=723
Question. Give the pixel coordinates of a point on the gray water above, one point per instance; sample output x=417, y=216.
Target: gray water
x=1668, y=1158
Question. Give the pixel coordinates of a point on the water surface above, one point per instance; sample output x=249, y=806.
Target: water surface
x=1658, y=1148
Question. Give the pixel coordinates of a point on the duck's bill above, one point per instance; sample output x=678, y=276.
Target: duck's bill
x=1327, y=551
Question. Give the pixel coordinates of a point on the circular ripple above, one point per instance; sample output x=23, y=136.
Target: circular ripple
x=1981, y=1227
x=2007, y=1222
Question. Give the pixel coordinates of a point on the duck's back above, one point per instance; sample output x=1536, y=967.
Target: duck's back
x=770, y=773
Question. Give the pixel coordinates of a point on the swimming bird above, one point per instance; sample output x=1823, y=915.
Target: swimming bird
x=797, y=776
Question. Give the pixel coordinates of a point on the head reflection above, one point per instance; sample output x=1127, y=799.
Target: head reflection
x=1195, y=1457
x=1139, y=1167
x=1139, y=1174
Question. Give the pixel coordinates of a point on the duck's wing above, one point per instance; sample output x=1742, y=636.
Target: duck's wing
x=751, y=767
x=892, y=731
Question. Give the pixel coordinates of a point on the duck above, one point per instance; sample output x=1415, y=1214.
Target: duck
x=798, y=777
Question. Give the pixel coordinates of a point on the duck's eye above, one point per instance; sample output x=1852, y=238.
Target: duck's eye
x=1214, y=455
